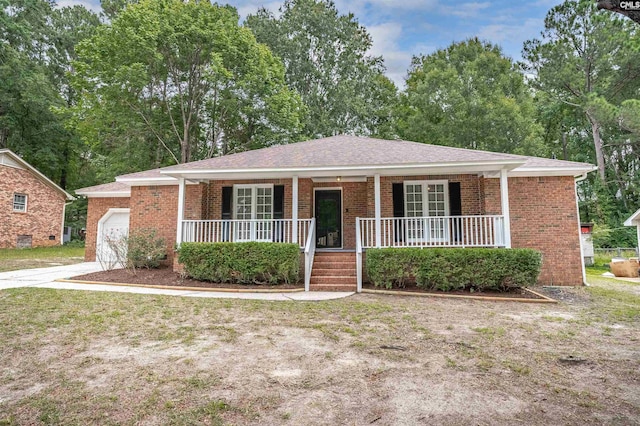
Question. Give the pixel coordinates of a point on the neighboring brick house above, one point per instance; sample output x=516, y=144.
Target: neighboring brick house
x=32, y=208
x=342, y=195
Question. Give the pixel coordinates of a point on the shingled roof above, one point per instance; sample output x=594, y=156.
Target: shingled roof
x=113, y=189
x=345, y=151
x=350, y=154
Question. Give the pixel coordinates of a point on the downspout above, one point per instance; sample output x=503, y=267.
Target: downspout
x=64, y=213
x=584, y=270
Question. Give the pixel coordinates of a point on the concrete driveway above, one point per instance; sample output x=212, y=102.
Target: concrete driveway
x=46, y=278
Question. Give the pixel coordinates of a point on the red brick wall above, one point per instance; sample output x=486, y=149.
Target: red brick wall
x=97, y=207
x=543, y=217
x=44, y=209
x=543, y=212
x=157, y=207
x=151, y=207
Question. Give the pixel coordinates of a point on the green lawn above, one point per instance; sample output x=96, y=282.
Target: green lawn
x=40, y=257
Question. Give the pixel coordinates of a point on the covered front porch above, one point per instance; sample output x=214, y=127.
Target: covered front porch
x=348, y=213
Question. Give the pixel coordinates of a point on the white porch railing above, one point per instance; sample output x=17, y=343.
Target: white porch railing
x=434, y=231
x=309, y=253
x=274, y=230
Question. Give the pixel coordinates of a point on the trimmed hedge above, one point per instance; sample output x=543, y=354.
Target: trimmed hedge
x=449, y=269
x=243, y=263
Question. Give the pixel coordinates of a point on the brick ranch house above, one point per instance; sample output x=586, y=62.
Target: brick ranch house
x=339, y=196
x=32, y=209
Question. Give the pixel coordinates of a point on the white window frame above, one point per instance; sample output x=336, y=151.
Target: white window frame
x=256, y=228
x=26, y=198
x=425, y=209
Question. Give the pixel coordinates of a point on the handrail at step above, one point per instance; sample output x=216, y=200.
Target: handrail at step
x=309, y=253
x=358, y=256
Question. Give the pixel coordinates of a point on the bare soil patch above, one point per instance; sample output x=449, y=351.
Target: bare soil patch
x=72, y=357
x=166, y=277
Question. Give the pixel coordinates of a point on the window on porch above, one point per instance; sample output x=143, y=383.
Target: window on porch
x=250, y=212
x=428, y=213
x=426, y=199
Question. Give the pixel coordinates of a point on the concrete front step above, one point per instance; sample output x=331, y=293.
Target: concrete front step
x=336, y=256
x=321, y=264
x=334, y=280
x=333, y=287
x=332, y=272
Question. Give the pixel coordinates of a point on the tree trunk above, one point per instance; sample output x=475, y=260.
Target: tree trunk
x=597, y=143
x=184, y=145
x=4, y=138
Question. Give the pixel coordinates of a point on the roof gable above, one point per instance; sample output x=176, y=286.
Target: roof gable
x=11, y=159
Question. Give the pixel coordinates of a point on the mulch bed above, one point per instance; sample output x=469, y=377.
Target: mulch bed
x=166, y=277
x=516, y=293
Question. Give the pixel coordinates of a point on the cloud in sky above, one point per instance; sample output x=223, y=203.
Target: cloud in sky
x=88, y=4
x=386, y=38
x=464, y=10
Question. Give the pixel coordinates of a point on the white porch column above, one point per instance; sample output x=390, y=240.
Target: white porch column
x=504, y=198
x=294, y=209
x=181, y=192
x=376, y=191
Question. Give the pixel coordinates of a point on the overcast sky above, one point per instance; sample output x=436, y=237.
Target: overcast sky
x=403, y=28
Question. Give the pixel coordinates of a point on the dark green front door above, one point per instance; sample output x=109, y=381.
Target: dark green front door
x=328, y=213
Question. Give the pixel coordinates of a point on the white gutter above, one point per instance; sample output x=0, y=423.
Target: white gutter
x=64, y=211
x=108, y=194
x=337, y=168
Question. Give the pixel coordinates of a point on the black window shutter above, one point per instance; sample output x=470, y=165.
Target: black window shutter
x=227, y=195
x=398, y=209
x=455, y=209
x=398, y=200
x=278, y=202
x=455, y=201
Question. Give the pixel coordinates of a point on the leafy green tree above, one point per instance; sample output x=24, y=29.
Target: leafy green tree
x=326, y=62
x=586, y=60
x=470, y=96
x=586, y=66
x=184, y=76
x=36, y=46
x=111, y=8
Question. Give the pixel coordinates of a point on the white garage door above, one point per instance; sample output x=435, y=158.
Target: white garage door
x=111, y=228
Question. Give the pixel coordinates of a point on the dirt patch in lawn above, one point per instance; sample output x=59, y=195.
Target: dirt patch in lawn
x=166, y=277
x=73, y=357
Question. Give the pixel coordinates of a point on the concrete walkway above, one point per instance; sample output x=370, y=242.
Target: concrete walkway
x=45, y=278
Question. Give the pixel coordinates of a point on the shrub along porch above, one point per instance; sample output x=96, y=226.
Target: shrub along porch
x=351, y=194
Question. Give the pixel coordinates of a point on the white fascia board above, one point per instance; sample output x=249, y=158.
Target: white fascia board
x=104, y=194
x=157, y=181
x=543, y=171
x=383, y=170
x=342, y=179
x=144, y=181
x=633, y=219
